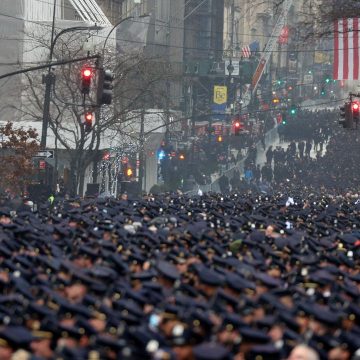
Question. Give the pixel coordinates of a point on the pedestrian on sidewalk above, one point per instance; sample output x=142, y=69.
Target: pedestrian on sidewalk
x=301, y=147
x=308, y=148
x=269, y=155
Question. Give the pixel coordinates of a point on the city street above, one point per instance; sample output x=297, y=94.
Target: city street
x=179, y=180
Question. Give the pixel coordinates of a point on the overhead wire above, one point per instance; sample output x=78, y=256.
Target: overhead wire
x=177, y=46
x=173, y=27
x=180, y=27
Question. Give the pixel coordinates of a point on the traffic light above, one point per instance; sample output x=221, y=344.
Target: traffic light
x=327, y=78
x=219, y=138
x=105, y=87
x=355, y=107
x=346, y=115
x=181, y=156
x=275, y=101
x=128, y=172
x=343, y=115
x=86, y=76
x=106, y=156
x=237, y=127
x=89, y=120
x=323, y=92
x=284, y=118
x=161, y=154
x=293, y=110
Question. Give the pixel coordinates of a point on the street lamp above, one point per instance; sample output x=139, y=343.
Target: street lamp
x=116, y=25
x=112, y=29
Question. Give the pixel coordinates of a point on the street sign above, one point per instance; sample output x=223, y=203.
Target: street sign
x=47, y=154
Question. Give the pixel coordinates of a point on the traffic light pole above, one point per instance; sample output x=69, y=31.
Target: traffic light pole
x=49, y=78
x=142, y=150
x=49, y=81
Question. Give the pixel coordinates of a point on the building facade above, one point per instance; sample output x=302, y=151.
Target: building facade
x=290, y=69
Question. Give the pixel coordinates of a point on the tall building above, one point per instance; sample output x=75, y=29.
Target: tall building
x=203, y=48
x=164, y=35
x=290, y=63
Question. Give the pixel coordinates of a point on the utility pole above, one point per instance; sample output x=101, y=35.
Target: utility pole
x=194, y=110
x=193, y=120
x=231, y=68
x=142, y=149
x=49, y=80
x=99, y=66
x=232, y=30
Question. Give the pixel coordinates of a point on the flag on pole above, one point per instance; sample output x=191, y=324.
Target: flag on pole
x=248, y=50
x=346, y=49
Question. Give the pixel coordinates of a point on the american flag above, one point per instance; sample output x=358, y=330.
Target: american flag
x=250, y=49
x=246, y=52
x=346, y=49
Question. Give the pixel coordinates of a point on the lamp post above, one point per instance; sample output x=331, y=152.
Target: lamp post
x=49, y=78
x=112, y=29
x=98, y=115
x=116, y=25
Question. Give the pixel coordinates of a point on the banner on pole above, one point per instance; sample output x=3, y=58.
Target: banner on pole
x=220, y=94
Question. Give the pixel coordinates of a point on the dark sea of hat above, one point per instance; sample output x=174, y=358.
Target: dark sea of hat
x=176, y=277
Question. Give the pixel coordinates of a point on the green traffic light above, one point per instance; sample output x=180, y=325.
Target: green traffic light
x=327, y=80
x=284, y=122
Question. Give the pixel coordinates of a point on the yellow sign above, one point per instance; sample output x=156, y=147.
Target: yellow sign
x=220, y=94
x=321, y=57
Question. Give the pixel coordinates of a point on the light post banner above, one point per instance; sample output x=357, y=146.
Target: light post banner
x=220, y=101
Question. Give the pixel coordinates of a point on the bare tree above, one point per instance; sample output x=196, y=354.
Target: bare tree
x=136, y=76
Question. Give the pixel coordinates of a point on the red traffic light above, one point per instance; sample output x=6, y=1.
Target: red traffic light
x=355, y=106
x=88, y=117
x=237, y=127
x=86, y=73
x=106, y=156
